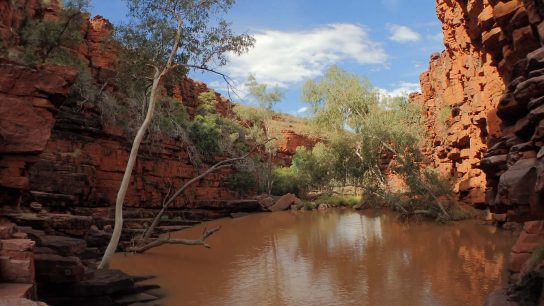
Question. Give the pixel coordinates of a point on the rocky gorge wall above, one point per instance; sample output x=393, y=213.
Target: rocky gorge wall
x=61, y=154
x=483, y=105
x=463, y=92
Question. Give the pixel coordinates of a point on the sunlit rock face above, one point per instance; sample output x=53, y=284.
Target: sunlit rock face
x=62, y=154
x=475, y=131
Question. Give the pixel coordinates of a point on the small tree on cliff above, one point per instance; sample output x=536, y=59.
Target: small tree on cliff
x=267, y=99
x=164, y=37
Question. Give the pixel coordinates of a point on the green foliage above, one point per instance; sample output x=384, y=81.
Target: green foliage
x=312, y=166
x=286, y=181
x=364, y=131
x=205, y=134
x=266, y=98
x=306, y=205
x=241, y=182
x=171, y=118
x=338, y=200
x=152, y=27
x=444, y=114
x=52, y=40
x=330, y=200
x=212, y=133
x=339, y=99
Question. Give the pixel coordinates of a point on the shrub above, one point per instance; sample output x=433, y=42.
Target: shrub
x=285, y=181
x=338, y=200
x=51, y=40
x=205, y=135
x=241, y=182
x=444, y=114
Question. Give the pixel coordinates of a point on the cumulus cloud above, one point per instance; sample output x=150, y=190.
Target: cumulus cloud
x=403, y=34
x=282, y=58
x=302, y=110
x=402, y=89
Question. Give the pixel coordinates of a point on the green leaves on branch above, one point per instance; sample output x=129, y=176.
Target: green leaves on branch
x=206, y=37
x=212, y=133
x=55, y=40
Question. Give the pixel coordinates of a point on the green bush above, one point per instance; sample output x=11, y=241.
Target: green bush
x=241, y=182
x=306, y=205
x=205, y=135
x=49, y=40
x=338, y=200
x=444, y=114
x=285, y=181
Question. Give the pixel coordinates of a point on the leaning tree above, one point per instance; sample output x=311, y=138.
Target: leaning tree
x=165, y=38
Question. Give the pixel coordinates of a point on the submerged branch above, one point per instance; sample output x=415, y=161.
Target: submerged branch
x=161, y=241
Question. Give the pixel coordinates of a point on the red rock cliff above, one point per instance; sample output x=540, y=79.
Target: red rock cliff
x=63, y=156
x=483, y=102
x=486, y=44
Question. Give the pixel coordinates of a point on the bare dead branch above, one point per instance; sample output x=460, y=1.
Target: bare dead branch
x=220, y=165
x=161, y=241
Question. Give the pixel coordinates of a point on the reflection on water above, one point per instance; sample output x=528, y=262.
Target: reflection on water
x=330, y=258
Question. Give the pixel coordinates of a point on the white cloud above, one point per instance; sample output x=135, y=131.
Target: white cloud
x=403, y=34
x=402, y=89
x=282, y=58
x=302, y=110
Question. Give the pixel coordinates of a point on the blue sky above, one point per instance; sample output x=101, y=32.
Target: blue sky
x=388, y=41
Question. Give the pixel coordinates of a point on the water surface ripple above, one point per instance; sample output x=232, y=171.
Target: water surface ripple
x=337, y=257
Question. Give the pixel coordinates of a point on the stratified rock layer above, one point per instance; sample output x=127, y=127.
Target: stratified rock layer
x=474, y=129
x=483, y=103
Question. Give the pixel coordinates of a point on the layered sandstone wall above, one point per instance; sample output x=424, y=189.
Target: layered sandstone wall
x=486, y=42
x=483, y=100
x=63, y=155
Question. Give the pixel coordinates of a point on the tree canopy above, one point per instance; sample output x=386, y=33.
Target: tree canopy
x=369, y=137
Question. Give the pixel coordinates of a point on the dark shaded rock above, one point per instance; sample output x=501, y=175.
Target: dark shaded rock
x=516, y=185
x=52, y=268
x=530, y=89
x=494, y=163
x=82, y=301
x=509, y=109
x=35, y=206
x=64, y=245
x=535, y=60
x=103, y=282
x=536, y=103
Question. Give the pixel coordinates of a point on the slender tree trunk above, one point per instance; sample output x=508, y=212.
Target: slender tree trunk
x=118, y=227
x=159, y=74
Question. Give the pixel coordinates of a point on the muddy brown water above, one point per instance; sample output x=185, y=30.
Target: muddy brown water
x=338, y=257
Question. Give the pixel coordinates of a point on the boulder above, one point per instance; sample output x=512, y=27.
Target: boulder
x=64, y=245
x=516, y=185
x=530, y=89
x=284, y=202
x=266, y=201
x=535, y=60
x=52, y=268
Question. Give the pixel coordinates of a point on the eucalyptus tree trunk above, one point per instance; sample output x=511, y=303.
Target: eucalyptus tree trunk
x=157, y=78
x=118, y=227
